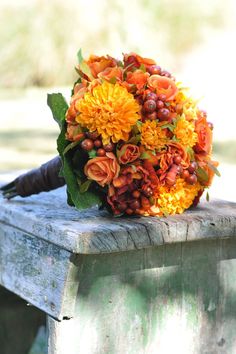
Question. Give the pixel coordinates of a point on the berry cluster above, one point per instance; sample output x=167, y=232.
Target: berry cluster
x=93, y=141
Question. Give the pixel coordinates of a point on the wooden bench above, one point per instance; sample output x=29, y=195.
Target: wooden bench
x=121, y=285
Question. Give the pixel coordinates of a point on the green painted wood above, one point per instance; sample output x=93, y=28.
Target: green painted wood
x=178, y=298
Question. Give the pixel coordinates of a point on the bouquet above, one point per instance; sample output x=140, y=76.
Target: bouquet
x=132, y=139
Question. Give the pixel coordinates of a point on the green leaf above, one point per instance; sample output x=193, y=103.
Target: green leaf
x=135, y=139
x=85, y=186
x=166, y=214
x=142, y=67
x=58, y=106
x=75, y=197
x=144, y=155
x=190, y=152
x=139, y=124
x=113, y=80
x=207, y=196
x=214, y=169
x=92, y=153
x=202, y=175
x=169, y=126
x=167, y=104
x=86, y=70
x=71, y=146
x=80, y=56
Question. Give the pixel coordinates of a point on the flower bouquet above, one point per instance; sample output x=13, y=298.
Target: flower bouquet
x=131, y=139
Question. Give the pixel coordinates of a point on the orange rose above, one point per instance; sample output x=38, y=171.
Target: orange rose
x=102, y=169
x=128, y=153
x=204, y=144
x=98, y=64
x=138, y=78
x=164, y=85
x=137, y=60
x=110, y=73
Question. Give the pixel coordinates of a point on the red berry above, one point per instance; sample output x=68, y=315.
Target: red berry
x=122, y=206
x=87, y=144
x=135, y=204
x=165, y=73
x=177, y=159
x=129, y=211
x=97, y=143
x=160, y=104
x=192, y=179
x=109, y=147
x=192, y=167
x=101, y=152
x=136, y=194
x=149, y=106
x=151, y=96
x=92, y=135
x=185, y=174
x=148, y=192
x=151, y=116
x=163, y=114
x=154, y=70
x=162, y=97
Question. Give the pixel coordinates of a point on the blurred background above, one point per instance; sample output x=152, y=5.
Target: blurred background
x=39, y=39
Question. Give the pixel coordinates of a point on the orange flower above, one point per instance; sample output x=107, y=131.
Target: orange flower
x=175, y=199
x=204, y=143
x=98, y=64
x=102, y=169
x=128, y=153
x=110, y=73
x=79, y=91
x=138, y=78
x=152, y=135
x=163, y=85
x=109, y=109
x=166, y=157
x=137, y=60
x=184, y=132
x=73, y=132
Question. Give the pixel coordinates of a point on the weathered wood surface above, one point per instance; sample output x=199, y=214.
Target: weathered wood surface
x=38, y=271
x=91, y=231
x=175, y=298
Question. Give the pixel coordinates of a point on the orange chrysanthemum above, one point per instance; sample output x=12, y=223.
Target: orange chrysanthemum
x=110, y=110
x=174, y=200
x=184, y=132
x=152, y=135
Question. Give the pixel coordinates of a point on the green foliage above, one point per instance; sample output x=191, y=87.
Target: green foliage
x=58, y=106
x=80, y=197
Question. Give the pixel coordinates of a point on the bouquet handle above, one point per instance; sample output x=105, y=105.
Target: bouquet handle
x=42, y=179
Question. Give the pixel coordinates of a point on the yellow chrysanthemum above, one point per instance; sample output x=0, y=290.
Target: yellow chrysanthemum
x=109, y=109
x=152, y=135
x=185, y=104
x=174, y=200
x=184, y=132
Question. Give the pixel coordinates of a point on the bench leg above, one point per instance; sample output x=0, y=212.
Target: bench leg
x=61, y=336
x=19, y=324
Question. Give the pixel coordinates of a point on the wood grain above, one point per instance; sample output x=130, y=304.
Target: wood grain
x=91, y=231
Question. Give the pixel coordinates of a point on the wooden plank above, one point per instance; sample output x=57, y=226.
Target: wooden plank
x=38, y=271
x=175, y=298
x=92, y=231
